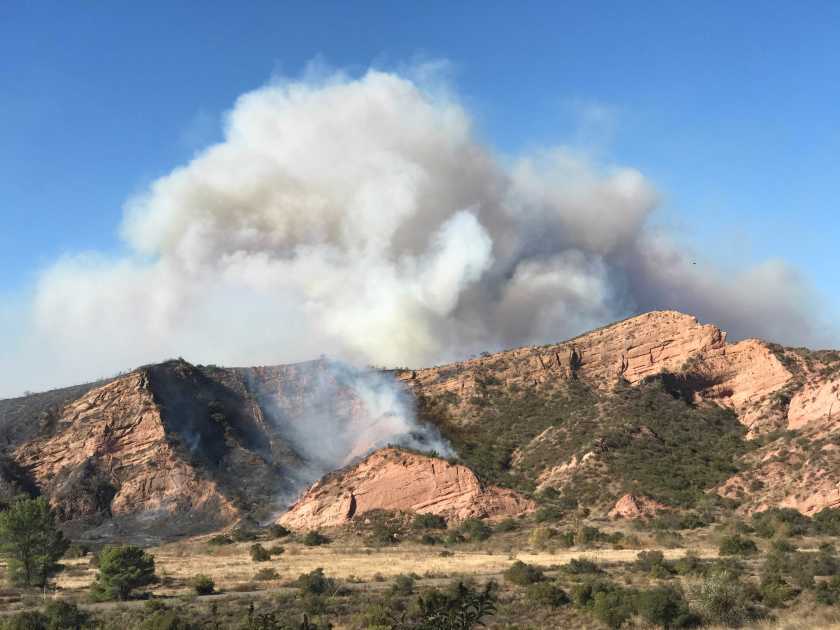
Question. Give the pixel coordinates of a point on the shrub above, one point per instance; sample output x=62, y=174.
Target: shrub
x=63, y=615
x=220, y=539
x=653, y=562
x=76, y=550
x=167, y=620
x=612, y=608
x=428, y=521
x=315, y=582
x=540, y=536
x=242, y=534
x=523, y=574
x=828, y=593
x=428, y=539
x=277, y=531
x=264, y=575
x=827, y=521
x=666, y=607
x=259, y=553
x=475, y=530
x=548, y=513
x=29, y=620
x=774, y=590
x=276, y=550
x=315, y=538
x=581, y=566
x=546, y=594
x=121, y=570
x=461, y=607
x=203, y=585
x=689, y=564
x=723, y=599
x=402, y=585
x=737, y=545
x=507, y=525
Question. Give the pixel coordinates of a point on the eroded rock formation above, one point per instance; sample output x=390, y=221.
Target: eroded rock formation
x=632, y=507
x=395, y=480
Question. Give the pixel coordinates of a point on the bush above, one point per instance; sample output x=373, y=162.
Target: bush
x=428, y=539
x=548, y=513
x=737, y=545
x=203, y=585
x=315, y=582
x=612, y=608
x=541, y=536
x=30, y=620
x=653, y=562
x=581, y=566
x=507, y=525
x=774, y=590
x=546, y=594
x=121, y=570
x=277, y=531
x=276, y=550
x=220, y=539
x=167, y=620
x=264, y=575
x=474, y=529
x=242, y=534
x=666, y=607
x=461, y=606
x=828, y=593
x=76, y=550
x=523, y=574
x=689, y=564
x=428, y=521
x=403, y=585
x=315, y=538
x=63, y=615
x=259, y=553
x=723, y=599
x=827, y=521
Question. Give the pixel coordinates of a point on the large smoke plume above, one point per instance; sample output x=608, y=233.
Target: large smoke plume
x=362, y=218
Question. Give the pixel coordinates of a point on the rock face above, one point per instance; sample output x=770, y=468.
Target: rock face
x=395, y=480
x=634, y=507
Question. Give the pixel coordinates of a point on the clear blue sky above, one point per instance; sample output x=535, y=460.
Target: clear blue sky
x=731, y=108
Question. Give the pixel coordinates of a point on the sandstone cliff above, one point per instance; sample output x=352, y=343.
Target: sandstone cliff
x=400, y=481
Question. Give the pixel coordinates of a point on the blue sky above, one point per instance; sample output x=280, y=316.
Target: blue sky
x=731, y=109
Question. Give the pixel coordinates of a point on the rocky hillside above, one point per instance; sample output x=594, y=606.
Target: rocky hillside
x=658, y=406
x=399, y=481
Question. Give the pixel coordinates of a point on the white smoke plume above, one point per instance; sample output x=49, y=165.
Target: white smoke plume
x=331, y=414
x=362, y=218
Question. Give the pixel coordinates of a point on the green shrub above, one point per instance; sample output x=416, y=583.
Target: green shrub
x=523, y=574
x=276, y=550
x=723, y=599
x=242, y=534
x=474, y=529
x=548, y=513
x=77, y=550
x=689, y=564
x=428, y=521
x=827, y=522
x=315, y=538
x=507, y=525
x=402, y=585
x=547, y=594
x=63, y=615
x=315, y=582
x=828, y=593
x=267, y=574
x=612, y=608
x=665, y=607
x=277, y=531
x=581, y=566
x=428, y=539
x=653, y=563
x=737, y=545
x=203, y=585
x=167, y=620
x=774, y=590
x=541, y=536
x=461, y=607
x=121, y=570
x=29, y=620
x=259, y=553
x=220, y=539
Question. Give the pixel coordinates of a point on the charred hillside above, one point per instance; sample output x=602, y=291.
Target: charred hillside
x=658, y=406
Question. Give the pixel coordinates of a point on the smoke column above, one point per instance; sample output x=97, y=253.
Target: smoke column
x=361, y=217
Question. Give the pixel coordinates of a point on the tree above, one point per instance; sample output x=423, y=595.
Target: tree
x=30, y=541
x=121, y=570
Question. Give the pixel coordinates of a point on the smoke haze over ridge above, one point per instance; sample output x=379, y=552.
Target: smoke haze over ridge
x=362, y=218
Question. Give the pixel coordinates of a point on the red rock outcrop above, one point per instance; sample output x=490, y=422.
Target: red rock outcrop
x=116, y=433
x=400, y=481
x=631, y=506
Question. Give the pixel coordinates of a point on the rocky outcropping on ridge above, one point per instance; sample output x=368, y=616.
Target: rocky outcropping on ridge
x=395, y=480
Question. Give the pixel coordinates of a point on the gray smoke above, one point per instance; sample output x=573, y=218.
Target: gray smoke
x=332, y=414
x=363, y=218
